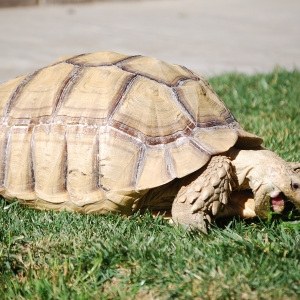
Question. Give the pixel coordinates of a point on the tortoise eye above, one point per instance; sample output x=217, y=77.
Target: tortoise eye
x=295, y=186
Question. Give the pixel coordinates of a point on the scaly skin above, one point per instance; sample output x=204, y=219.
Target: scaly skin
x=206, y=195
x=209, y=189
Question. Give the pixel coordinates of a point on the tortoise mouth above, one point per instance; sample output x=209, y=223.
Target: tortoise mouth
x=277, y=202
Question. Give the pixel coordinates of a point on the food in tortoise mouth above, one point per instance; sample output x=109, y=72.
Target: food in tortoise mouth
x=107, y=132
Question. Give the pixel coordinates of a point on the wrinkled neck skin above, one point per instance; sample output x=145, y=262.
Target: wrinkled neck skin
x=269, y=177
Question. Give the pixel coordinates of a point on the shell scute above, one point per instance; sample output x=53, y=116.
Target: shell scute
x=38, y=97
x=149, y=108
x=83, y=183
x=157, y=70
x=187, y=158
x=19, y=180
x=118, y=161
x=7, y=89
x=50, y=163
x=216, y=140
x=153, y=168
x=203, y=104
x=94, y=94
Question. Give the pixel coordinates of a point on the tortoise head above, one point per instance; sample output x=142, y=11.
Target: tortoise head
x=273, y=181
x=278, y=182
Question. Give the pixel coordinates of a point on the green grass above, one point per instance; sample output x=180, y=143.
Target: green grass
x=48, y=255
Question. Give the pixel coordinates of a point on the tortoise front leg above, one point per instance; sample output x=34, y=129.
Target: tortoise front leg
x=204, y=195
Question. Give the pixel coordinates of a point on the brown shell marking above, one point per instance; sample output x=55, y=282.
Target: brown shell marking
x=98, y=130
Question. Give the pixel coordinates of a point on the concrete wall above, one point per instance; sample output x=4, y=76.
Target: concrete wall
x=10, y=3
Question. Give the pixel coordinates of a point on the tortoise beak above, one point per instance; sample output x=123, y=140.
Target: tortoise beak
x=262, y=204
x=276, y=201
x=266, y=201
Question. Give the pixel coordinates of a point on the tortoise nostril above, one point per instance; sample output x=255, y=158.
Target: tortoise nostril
x=295, y=186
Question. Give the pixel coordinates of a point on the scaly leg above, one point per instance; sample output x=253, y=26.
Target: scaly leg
x=205, y=194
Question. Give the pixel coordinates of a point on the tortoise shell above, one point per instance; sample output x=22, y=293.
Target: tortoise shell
x=95, y=125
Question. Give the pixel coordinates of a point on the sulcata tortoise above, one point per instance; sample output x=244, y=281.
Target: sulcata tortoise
x=106, y=132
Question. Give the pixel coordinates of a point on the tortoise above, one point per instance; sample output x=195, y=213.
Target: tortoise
x=112, y=133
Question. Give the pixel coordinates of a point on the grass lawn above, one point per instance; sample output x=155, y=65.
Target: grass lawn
x=47, y=255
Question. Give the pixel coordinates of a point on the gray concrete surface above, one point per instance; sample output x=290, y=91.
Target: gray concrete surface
x=208, y=36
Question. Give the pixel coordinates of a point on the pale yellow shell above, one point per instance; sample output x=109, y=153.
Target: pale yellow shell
x=91, y=127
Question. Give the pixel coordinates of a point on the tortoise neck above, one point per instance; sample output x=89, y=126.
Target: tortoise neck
x=243, y=162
